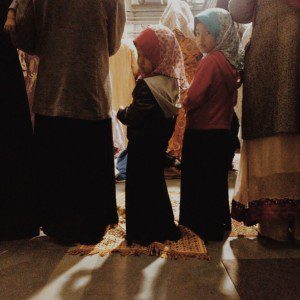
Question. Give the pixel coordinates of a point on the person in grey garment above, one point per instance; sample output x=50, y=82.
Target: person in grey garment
x=73, y=131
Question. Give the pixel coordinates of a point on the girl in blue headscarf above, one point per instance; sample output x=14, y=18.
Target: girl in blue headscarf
x=209, y=105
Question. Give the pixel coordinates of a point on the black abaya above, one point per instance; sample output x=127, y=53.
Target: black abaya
x=75, y=177
x=149, y=215
x=18, y=216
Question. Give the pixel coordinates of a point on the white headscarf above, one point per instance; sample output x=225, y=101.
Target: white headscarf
x=246, y=36
x=178, y=15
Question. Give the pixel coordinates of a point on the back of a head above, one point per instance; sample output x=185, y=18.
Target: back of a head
x=178, y=15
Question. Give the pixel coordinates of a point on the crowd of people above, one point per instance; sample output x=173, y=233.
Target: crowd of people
x=59, y=175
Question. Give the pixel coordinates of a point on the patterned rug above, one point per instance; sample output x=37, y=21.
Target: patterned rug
x=240, y=230
x=189, y=246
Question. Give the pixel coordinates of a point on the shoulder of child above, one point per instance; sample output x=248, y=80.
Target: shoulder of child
x=214, y=59
x=214, y=56
x=208, y=62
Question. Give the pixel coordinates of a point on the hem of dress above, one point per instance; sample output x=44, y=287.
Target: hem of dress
x=248, y=137
x=69, y=114
x=265, y=209
x=18, y=235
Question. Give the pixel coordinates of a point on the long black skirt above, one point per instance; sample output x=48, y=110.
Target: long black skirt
x=75, y=177
x=204, y=206
x=18, y=216
x=149, y=215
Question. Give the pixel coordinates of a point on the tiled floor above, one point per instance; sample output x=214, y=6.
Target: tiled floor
x=239, y=269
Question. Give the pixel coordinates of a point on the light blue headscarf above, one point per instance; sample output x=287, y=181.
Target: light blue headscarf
x=220, y=24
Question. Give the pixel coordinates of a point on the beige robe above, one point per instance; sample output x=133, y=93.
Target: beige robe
x=123, y=69
x=268, y=183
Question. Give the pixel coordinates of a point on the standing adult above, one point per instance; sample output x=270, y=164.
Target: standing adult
x=73, y=131
x=216, y=3
x=268, y=188
x=223, y=4
x=17, y=209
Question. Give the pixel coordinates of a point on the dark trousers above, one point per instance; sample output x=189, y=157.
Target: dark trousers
x=204, y=187
x=18, y=216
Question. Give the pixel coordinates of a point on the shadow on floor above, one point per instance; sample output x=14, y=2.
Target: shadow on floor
x=144, y=277
x=194, y=279
x=116, y=278
x=265, y=278
x=26, y=266
x=263, y=269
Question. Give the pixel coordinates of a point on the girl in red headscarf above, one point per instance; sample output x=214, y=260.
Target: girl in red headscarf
x=150, y=120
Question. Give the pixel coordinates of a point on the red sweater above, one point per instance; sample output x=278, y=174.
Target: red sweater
x=212, y=95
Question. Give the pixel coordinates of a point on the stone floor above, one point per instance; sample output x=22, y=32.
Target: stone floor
x=240, y=269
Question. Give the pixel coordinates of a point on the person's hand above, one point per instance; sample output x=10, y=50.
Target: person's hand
x=10, y=25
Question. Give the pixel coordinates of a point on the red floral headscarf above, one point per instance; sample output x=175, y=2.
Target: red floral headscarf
x=159, y=45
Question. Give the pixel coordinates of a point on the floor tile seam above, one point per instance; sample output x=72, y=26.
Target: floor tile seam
x=227, y=272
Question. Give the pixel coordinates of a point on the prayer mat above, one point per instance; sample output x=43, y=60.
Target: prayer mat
x=238, y=228
x=189, y=246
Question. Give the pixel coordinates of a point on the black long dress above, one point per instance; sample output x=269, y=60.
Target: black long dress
x=18, y=216
x=75, y=177
x=204, y=203
x=149, y=215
